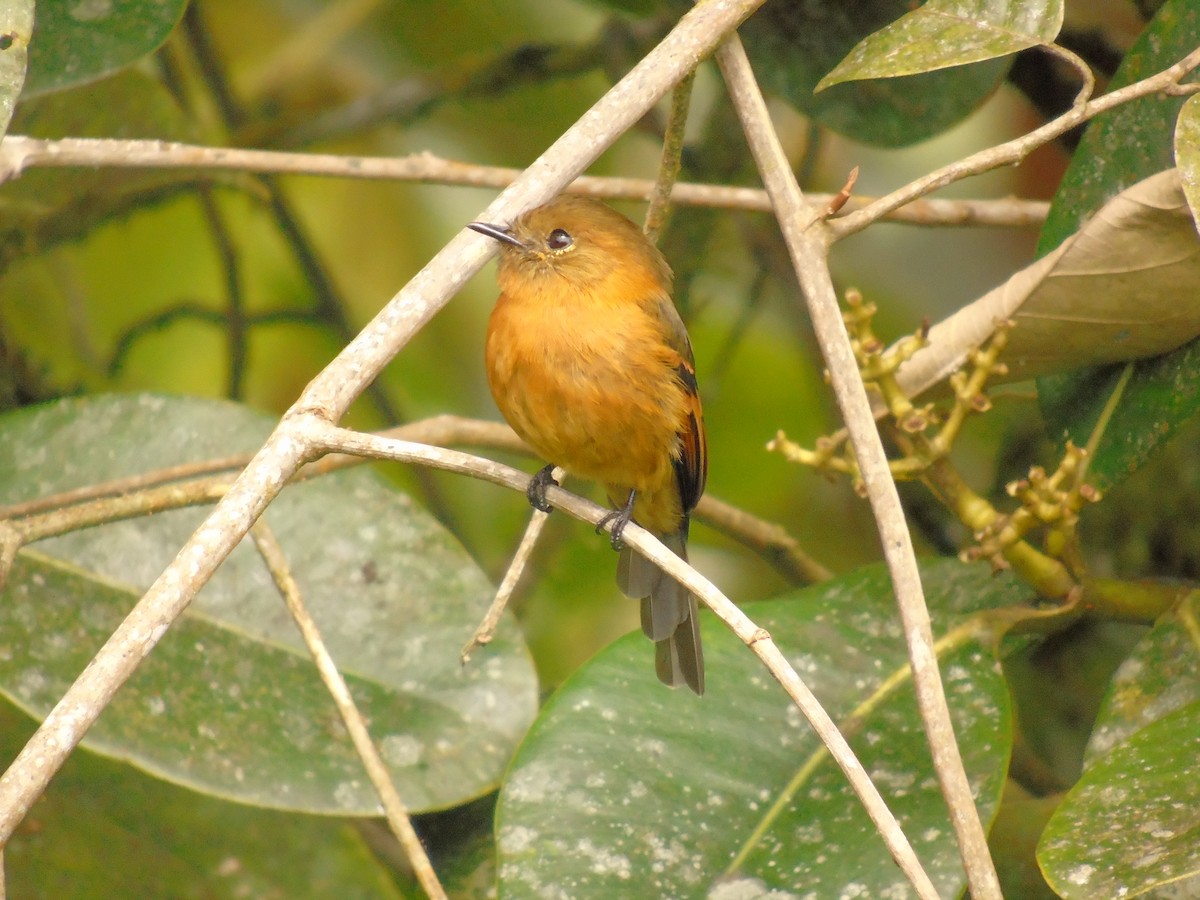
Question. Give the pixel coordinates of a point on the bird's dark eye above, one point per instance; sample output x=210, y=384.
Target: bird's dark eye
x=559, y=240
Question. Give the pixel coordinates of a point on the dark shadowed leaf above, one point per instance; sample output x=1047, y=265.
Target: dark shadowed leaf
x=794, y=45
x=105, y=830
x=77, y=42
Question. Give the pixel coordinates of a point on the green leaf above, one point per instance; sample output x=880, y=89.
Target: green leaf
x=1161, y=675
x=229, y=703
x=104, y=830
x=625, y=789
x=47, y=207
x=1129, y=824
x=1118, y=149
x=81, y=41
x=794, y=45
x=16, y=25
x=1139, y=758
x=633, y=7
x=1132, y=141
x=1187, y=152
x=1159, y=396
x=944, y=33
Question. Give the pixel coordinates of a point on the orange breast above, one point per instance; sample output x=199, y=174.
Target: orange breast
x=592, y=388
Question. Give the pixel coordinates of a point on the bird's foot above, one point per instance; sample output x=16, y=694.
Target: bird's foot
x=619, y=518
x=536, y=492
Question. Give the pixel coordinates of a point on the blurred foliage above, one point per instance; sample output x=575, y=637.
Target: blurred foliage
x=240, y=286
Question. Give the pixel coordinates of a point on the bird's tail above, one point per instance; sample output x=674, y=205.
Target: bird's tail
x=668, y=614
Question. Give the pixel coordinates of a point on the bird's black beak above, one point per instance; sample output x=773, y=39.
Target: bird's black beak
x=498, y=232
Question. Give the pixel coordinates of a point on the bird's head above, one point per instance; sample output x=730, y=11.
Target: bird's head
x=576, y=239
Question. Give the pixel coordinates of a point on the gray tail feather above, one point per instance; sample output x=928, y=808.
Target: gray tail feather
x=668, y=614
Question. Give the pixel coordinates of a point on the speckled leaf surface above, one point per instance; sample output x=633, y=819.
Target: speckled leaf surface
x=103, y=830
x=624, y=788
x=943, y=33
x=77, y=41
x=229, y=703
x=794, y=45
x=1161, y=675
x=16, y=26
x=1187, y=152
x=1129, y=826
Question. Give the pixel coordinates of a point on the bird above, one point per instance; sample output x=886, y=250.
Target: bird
x=589, y=361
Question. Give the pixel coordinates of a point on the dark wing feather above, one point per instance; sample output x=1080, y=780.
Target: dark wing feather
x=691, y=467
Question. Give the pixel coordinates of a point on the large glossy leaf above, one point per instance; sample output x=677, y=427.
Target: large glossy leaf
x=16, y=26
x=794, y=45
x=1129, y=826
x=77, y=42
x=943, y=33
x=624, y=789
x=228, y=704
x=1119, y=148
x=105, y=830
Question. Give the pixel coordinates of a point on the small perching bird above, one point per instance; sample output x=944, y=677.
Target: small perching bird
x=590, y=363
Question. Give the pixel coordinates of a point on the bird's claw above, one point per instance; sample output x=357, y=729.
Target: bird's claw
x=618, y=518
x=538, y=484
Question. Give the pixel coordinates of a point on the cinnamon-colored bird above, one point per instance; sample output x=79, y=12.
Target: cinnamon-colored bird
x=589, y=362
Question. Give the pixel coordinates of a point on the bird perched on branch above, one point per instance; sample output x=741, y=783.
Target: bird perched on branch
x=590, y=363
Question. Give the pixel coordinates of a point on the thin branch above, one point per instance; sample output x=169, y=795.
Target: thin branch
x=118, y=486
x=393, y=807
x=18, y=153
x=123, y=506
x=329, y=395
x=403, y=102
x=806, y=238
x=1087, y=78
x=236, y=323
x=487, y=628
x=205, y=481
x=769, y=540
x=1014, y=151
x=756, y=638
x=128, y=339
x=672, y=151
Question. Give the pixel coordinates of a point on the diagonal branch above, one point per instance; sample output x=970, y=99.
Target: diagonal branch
x=377, y=770
x=808, y=243
x=331, y=393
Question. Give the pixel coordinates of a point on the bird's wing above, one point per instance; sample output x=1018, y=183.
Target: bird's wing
x=691, y=468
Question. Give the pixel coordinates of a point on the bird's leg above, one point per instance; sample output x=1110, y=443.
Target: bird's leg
x=536, y=492
x=619, y=518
